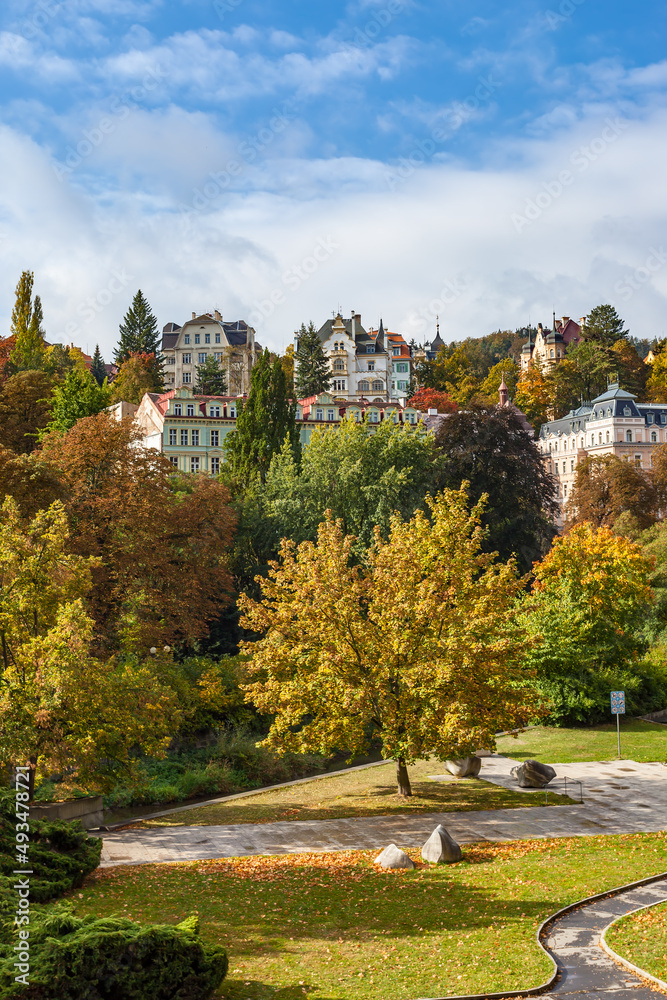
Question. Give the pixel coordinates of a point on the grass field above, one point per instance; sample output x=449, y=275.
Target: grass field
x=369, y=792
x=333, y=927
x=640, y=741
x=642, y=939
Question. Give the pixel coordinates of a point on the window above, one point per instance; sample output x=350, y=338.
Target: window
x=170, y=361
x=319, y=414
x=412, y=418
x=654, y=437
x=215, y=466
x=190, y=410
x=330, y=415
x=600, y=438
x=396, y=350
x=339, y=365
x=214, y=411
x=572, y=465
x=197, y=339
x=628, y=435
x=195, y=438
x=565, y=445
x=559, y=353
x=172, y=435
x=402, y=366
x=370, y=349
x=215, y=439
x=339, y=384
x=207, y=338
x=607, y=437
x=551, y=354
x=217, y=338
x=187, y=359
x=184, y=439
x=375, y=416
x=232, y=411
x=194, y=463
x=627, y=412
x=377, y=385
x=364, y=385
x=371, y=366
x=650, y=418
x=178, y=410
x=565, y=485
x=582, y=442
x=402, y=385
x=187, y=378
x=335, y=346
x=638, y=461
x=174, y=460
x=217, y=356
x=202, y=357
x=186, y=338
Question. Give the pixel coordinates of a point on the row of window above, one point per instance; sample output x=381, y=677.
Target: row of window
x=373, y=416
x=402, y=366
x=186, y=358
x=192, y=410
x=194, y=464
x=607, y=439
x=207, y=338
x=184, y=436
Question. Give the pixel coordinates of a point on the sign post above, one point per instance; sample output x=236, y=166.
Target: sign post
x=618, y=709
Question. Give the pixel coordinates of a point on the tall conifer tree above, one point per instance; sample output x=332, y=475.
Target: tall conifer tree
x=265, y=420
x=28, y=352
x=138, y=332
x=312, y=373
x=98, y=368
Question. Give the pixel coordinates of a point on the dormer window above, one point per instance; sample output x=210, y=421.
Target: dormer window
x=650, y=418
x=190, y=410
x=178, y=410
x=627, y=412
x=214, y=411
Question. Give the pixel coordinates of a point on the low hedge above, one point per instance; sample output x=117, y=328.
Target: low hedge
x=112, y=957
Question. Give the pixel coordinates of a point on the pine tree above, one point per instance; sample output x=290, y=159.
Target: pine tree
x=98, y=368
x=265, y=420
x=211, y=378
x=28, y=353
x=138, y=332
x=312, y=372
x=604, y=326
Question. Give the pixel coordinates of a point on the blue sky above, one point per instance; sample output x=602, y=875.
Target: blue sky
x=484, y=163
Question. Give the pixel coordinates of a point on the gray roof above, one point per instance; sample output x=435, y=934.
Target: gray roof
x=169, y=341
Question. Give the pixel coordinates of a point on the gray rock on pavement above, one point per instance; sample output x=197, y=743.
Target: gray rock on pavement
x=440, y=849
x=467, y=767
x=394, y=857
x=533, y=774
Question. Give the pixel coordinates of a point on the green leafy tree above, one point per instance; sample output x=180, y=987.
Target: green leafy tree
x=211, y=378
x=604, y=326
x=264, y=420
x=451, y=371
x=25, y=408
x=488, y=448
x=139, y=332
x=58, y=361
x=312, y=374
x=582, y=375
x=78, y=396
x=412, y=647
x=98, y=369
x=287, y=361
x=508, y=370
x=26, y=328
x=585, y=614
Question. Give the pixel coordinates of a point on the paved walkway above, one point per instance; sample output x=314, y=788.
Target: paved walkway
x=619, y=797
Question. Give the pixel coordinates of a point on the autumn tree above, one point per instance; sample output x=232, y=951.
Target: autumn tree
x=606, y=487
x=411, y=647
x=138, y=375
x=161, y=540
x=139, y=332
x=451, y=371
x=414, y=646
x=263, y=422
x=312, y=373
x=534, y=395
x=507, y=370
x=60, y=708
x=79, y=395
x=25, y=408
x=489, y=448
x=29, y=481
x=432, y=399
x=657, y=379
x=590, y=596
x=26, y=328
x=211, y=378
x=7, y=345
x=603, y=326
x=287, y=361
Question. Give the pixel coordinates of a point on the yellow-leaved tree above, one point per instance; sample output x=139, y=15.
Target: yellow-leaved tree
x=62, y=709
x=417, y=646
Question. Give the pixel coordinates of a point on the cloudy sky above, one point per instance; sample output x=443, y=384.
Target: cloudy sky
x=281, y=159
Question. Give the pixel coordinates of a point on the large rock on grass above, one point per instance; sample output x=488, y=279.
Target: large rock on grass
x=440, y=849
x=467, y=767
x=394, y=857
x=533, y=774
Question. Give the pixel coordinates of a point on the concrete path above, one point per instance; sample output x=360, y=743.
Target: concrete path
x=619, y=797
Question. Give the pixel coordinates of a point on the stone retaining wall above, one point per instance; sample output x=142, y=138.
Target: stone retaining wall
x=87, y=810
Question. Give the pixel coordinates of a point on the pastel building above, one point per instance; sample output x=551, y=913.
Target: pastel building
x=185, y=347
x=549, y=347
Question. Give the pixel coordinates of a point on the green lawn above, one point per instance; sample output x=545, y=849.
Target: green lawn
x=369, y=792
x=332, y=927
x=640, y=741
x=642, y=939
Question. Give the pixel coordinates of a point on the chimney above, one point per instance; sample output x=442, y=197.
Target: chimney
x=354, y=328
x=194, y=315
x=565, y=320
x=432, y=412
x=218, y=316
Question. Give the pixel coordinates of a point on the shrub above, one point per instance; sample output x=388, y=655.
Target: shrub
x=60, y=854
x=583, y=698
x=94, y=958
